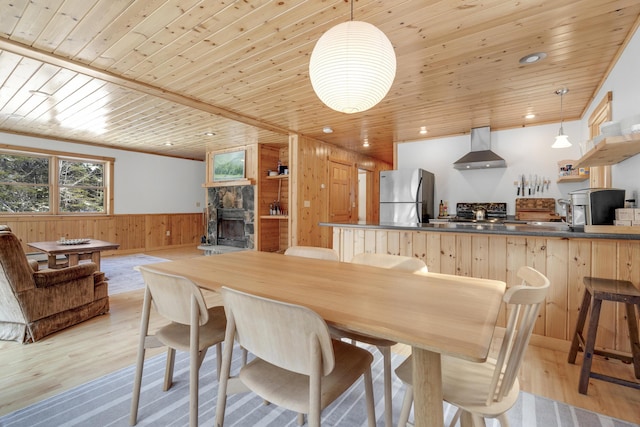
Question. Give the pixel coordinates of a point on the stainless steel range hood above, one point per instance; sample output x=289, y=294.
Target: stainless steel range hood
x=480, y=156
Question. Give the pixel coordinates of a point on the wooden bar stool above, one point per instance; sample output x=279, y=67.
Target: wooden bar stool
x=598, y=290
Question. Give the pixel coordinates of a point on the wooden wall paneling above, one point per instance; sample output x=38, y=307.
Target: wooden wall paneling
x=406, y=243
x=497, y=251
x=347, y=244
x=464, y=254
x=369, y=241
x=448, y=253
x=359, y=241
x=130, y=231
x=294, y=195
x=537, y=258
x=516, y=258
x=312, y=164
x=628, y=269
x=602, y=252
x=556, y=321
x=283, y=233
x=434, y=252
x=393, y=242
x=133, y=233
x=420, y=246
x=381, y=242
x=337, y=241
x=480, y=256
x=579, y=266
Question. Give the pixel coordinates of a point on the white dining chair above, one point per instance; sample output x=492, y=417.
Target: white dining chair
x=397, y=262
x=193, y=328
x=297, y=364
x=489, y=389
x=312, y=252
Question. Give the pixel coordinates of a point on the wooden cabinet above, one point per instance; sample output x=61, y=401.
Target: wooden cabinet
x=273, y=229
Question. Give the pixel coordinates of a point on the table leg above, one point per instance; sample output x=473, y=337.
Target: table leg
x=427, y=388
x=74, y=259
x=95, y=257
x=51, y=260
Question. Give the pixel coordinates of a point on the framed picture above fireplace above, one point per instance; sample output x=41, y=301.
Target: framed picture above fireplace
x=228, y=166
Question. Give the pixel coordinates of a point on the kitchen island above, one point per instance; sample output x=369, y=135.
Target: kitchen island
x=496, y=251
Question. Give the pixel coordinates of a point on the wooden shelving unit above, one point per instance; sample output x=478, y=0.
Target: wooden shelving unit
x=278, y=177
x=610, y=151
x=572, y=178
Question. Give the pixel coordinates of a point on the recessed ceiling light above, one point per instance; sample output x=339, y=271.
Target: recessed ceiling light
x=366, y=142
x=530, y=116
x=423, y=130
x=327, y=129
x=209, y=134
x=168, y=143
x=532, y=58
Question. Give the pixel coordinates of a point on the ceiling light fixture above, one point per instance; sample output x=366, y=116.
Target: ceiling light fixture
x=530, y=116
x=327, y=129
x=423, y=130
x=209, y=134
x=352, y=66
x=365, y=143
x=562, y=140
x=532, y=58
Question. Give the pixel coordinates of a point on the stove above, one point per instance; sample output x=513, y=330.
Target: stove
x=495, y=212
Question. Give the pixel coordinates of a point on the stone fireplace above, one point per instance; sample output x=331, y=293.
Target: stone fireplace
x=230, y=216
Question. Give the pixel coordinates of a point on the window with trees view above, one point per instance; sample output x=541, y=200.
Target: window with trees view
x=52, y=184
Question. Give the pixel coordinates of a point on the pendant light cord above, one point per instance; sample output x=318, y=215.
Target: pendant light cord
x=352, y=10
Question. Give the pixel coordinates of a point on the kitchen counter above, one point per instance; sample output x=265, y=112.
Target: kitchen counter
x=497, y=251
x=545, y=229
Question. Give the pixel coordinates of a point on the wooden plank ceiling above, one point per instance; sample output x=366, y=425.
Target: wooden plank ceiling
x=141, y=74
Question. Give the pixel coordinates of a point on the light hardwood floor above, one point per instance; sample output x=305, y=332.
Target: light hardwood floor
x=32, y=372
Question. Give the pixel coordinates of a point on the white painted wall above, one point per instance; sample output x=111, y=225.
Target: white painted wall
x=144, y=183
x=528, y=150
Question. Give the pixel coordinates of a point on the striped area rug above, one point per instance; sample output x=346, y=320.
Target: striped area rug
x=106, y=402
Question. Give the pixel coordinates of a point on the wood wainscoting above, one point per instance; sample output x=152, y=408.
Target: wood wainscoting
x=134, y=233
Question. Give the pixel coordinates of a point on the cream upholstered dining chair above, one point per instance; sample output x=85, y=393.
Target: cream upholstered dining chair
x=397, y=262
x=489, y=389
x=297, y=364
x=312, y=252
x=193, y=328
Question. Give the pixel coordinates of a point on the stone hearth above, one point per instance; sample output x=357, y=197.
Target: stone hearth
x=231, y=216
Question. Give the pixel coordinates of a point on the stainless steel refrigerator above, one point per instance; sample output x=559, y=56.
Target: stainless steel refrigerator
x=406, y=196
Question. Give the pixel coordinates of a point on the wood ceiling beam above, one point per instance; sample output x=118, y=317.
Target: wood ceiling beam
x=49, y=58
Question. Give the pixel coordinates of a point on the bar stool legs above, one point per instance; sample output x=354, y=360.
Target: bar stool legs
x=596, y=291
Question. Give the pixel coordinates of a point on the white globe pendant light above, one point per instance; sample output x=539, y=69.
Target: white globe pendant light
x=352, y=67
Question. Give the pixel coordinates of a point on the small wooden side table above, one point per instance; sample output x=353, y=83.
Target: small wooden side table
x=598, y=290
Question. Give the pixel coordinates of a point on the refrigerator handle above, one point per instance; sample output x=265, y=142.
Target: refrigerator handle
x=418, y=213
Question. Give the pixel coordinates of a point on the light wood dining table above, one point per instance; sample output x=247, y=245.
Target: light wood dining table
x=433, y=313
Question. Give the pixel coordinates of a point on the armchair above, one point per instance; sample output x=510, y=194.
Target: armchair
x=34, y=304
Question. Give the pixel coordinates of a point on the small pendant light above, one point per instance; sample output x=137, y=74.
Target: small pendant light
x=562, y=140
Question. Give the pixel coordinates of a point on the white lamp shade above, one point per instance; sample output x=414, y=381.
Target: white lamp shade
x=352, y=67
x=562, y=141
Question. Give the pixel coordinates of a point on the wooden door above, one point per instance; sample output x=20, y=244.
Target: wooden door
x=341, y=194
